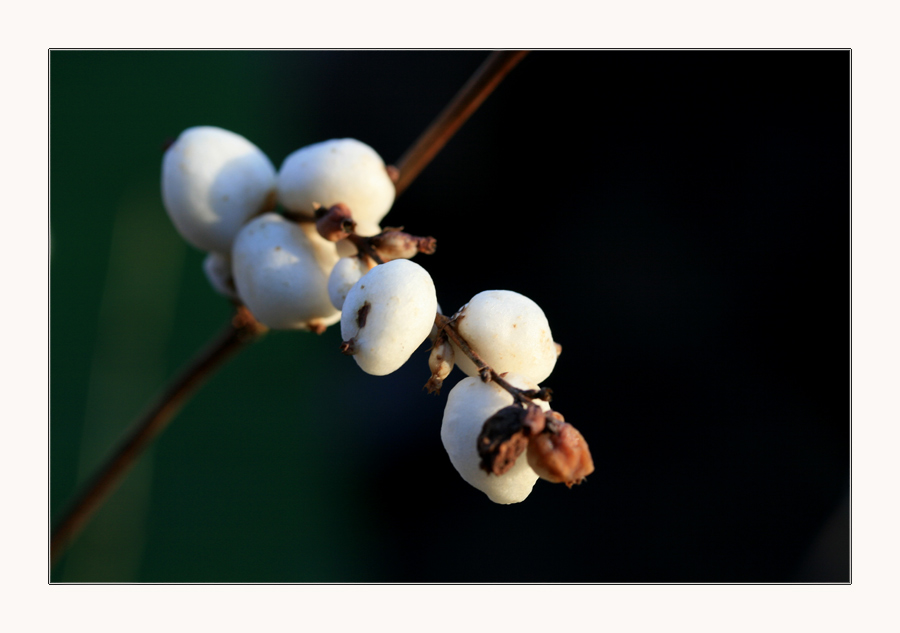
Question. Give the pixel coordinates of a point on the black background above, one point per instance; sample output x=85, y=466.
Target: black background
x=681, y=216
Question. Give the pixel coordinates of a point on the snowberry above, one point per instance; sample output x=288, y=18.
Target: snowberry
x=470, y=403
x=339, y=170
x=387, y=315
x=218, y=272
x=281, y=273
x=213, y=181
x=510, y=333
x=344, y=276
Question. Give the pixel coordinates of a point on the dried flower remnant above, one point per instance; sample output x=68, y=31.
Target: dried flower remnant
x=560, y=454
x=440, y=362
x=393, y=243
x=335, y=223
x=505, y=436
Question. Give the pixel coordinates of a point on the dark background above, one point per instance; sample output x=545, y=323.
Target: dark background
x=681, y=216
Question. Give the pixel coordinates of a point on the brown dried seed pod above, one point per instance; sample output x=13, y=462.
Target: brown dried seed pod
x=440, y=362
x=562, y=456
x=336, y=223
x=505, y=436
x=393, y=243
x=502, y=439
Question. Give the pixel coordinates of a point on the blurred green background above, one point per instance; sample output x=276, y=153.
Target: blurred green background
x=682, y=217
x=130, y=305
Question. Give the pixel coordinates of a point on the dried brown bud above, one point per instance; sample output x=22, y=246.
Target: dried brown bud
x=393, y=243
x=505, y=434
x=502, y=440
x=348, y=347
x=335, y=223
x=561, y=456
x=440, y=362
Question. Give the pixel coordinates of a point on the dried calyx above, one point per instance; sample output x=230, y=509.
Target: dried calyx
x=335, y=223
x=393, y=243
x=440, y=362
x=505, y=436
x=560, y=455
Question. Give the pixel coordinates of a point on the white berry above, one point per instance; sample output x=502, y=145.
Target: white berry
x=510, y=332
x=344, y=276
x=213, y=181
x=470, y=403
x=281, y=272
x=387, y=315
x=339, y=170
x=218, y=272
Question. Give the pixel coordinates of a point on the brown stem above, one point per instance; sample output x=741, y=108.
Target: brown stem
x=466, y=101
x=241, y=331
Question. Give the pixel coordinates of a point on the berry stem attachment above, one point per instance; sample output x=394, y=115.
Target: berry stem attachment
x=242, y=330
x=457, y=112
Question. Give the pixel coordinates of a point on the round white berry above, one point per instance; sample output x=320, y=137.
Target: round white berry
x=281, y=273
x=218, y=272
x=470, y=403
x=213, y=181
x=510, y=333
x=387, y=315
x=339, y=170
x=344, y=276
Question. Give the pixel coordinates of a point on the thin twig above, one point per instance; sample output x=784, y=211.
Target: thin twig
x=240, y=332
x=466, y=101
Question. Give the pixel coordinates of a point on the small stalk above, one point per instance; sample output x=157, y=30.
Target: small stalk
x=239, y=333
x=466, y=101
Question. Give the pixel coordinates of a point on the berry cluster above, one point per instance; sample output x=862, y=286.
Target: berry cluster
x=302, y=248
